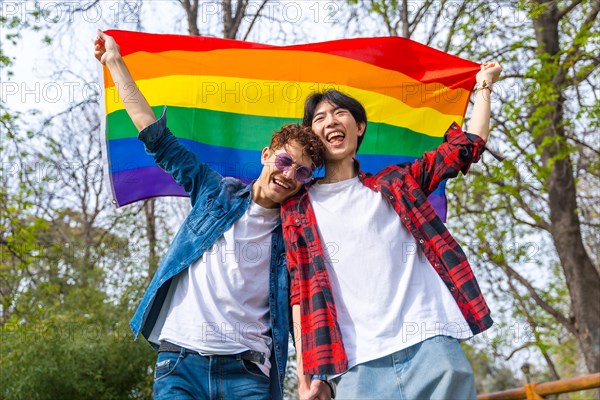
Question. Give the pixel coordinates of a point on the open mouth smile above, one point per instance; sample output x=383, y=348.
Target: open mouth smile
x=281, y=183
x=335, y=136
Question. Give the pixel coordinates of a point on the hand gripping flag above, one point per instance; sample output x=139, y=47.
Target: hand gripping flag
x=225, y=99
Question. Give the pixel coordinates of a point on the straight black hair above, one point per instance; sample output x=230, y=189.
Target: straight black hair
x=339, y=99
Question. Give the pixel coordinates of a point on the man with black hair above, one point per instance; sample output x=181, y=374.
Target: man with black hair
x=380, y=289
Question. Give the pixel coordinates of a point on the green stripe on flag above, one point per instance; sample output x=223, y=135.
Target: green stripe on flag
x=249, y=132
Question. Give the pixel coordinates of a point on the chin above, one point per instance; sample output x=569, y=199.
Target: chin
x=277, y=197
x=338, y=154
x=283, y=198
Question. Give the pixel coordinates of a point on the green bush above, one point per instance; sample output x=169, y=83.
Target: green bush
x=83, y=359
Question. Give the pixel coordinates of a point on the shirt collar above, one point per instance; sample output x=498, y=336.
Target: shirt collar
x=361, y=174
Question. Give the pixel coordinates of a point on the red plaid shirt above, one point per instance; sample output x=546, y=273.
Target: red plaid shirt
x=405, y=187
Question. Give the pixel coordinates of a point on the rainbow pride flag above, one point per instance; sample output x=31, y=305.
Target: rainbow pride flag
x=225, y=98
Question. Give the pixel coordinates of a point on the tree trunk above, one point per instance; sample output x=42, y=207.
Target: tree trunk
x=405, y=21
x=582, y=278
x=191, y=11
x=232, y=19
x=149, y=211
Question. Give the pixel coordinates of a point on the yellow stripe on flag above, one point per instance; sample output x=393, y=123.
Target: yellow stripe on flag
x=283, y=65
x=271, y=98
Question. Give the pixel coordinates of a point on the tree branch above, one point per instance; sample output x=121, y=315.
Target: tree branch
x=458, y=15
x=577, y=50
x=432, y=31
x=576, y=80
x=534, y=326
x=254, y=19
x=568, y=9
x=515, y=351
x=512, y=273
x=191, y=11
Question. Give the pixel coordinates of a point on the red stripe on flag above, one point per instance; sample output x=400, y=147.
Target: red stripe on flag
x=411, y=58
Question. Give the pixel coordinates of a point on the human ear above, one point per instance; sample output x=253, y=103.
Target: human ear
x=361, y=128
x=266, y=153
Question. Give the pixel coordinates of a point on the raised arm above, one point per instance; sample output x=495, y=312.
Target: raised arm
x=459, y=149
x=480, y=116
x=108, y=53
x=168, y=152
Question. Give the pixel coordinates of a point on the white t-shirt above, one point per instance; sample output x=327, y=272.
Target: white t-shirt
x=220, y=304
x=387, y=295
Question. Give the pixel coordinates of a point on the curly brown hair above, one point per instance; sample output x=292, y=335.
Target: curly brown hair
x=304, y=136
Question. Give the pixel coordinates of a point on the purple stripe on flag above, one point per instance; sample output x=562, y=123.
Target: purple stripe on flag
x=439, y=204
x=143, y=183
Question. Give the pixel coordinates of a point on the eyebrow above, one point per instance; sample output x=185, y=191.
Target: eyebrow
x=317, y=114
x=312, y=167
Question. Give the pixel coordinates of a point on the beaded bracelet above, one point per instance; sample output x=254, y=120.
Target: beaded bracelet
x=483, y=85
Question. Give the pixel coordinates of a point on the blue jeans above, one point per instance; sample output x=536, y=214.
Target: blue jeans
x=436, y=368
x=188, y=375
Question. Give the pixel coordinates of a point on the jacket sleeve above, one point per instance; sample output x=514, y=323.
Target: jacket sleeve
x=456, y=154
x=175, y=159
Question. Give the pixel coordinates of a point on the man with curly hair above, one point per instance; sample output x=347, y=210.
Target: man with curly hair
x=217, y=309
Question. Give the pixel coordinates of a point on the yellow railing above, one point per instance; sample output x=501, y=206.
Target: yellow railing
x=537, y=391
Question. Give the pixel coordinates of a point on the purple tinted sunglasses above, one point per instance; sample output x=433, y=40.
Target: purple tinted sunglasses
x=284, y=162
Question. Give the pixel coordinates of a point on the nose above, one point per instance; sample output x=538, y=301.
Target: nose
x=329, y=119
x=290, y=173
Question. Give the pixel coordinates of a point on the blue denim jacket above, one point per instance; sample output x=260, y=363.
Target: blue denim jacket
x=217, y=203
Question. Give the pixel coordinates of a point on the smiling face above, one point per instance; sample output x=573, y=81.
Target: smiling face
x=275, y=185
x=338, y=129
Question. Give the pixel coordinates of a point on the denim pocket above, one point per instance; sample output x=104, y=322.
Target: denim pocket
x=166, y=363
x=252, y=369
x=204, y=216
